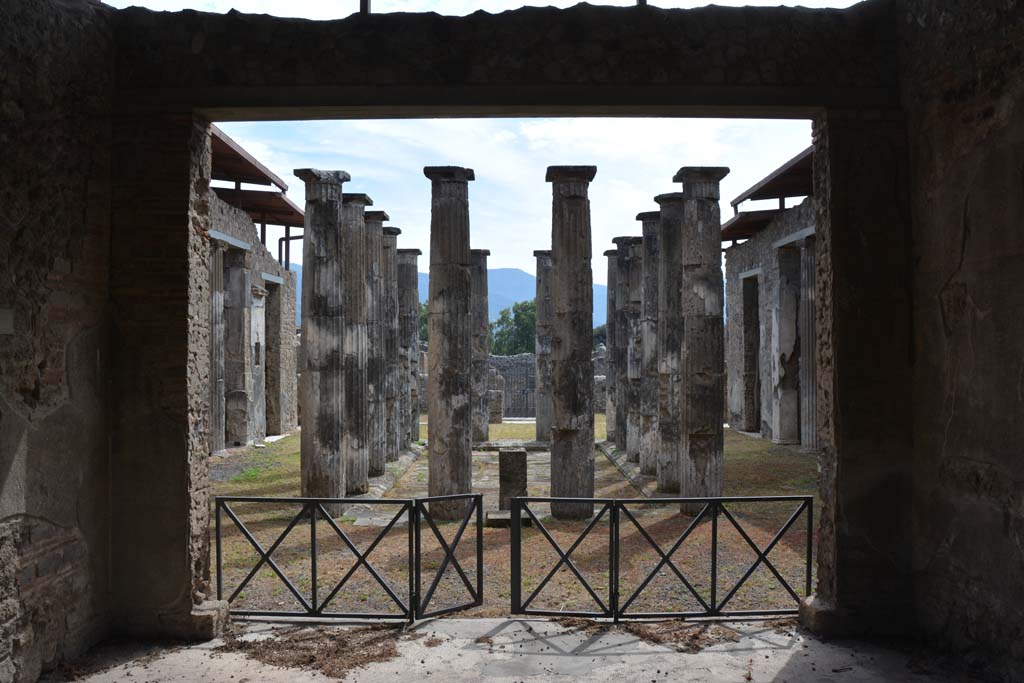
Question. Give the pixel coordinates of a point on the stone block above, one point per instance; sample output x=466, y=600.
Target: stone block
x=511, y=476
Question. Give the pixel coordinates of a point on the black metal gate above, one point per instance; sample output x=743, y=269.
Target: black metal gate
x=411, y=603
x=618, y=513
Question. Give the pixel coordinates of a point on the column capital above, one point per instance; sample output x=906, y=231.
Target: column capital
x=449, y=174
x=413, y=253
x=542, y=253
x=322, y=185
x=647, y=216
x=480, y=252
x=611, y=252
x=377, y=216
x=669, y=198
x=700, y=182
x=627, y=240
x=571, y=174
x=391, y=231
x=356, y=198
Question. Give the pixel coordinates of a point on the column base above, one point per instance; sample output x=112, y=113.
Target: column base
x=205, y=622
x=821, y=618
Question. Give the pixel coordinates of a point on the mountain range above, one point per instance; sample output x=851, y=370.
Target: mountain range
x=505, y=286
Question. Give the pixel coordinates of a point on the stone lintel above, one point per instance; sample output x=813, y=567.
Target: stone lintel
x=669, y=198
x=357, y=198
x=557, y=174
x=449, y=174
x=627, y=240
x=648, y=216
x=410, y=252
x=701, y=182
x=392, y=231
x=377, y=216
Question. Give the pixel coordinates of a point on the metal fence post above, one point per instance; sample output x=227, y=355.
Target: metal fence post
x=416, y=559
x=220, y=572
x=515, y=556
x=810, y=545
x=613, y=571
x=714, y=557
x=479, y=548
x=312, y=555
x=413, y=523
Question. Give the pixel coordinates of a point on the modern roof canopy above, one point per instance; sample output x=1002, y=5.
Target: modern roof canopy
x=795, y=178
x=230, y=162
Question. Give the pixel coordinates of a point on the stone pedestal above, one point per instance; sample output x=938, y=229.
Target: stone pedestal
x=321, y=396
x=670, y=339
x=375, y=374
x=356, y=433
x=450, y=354
x=649, y=345
x=511, y=476
x=610, y=411
x=409, y=343
x=572, y=386
x=479, y=338
x=496, y=397
x=703, y=349
x=392, y=371
x=545, y=315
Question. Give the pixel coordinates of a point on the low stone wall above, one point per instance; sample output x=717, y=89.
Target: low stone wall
x=520, y=373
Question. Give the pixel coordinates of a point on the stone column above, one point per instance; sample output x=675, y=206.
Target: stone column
x=808, y=348
x=375, y=369
x=610, y=423
x=409, y=343
x=239, y=405
x=392, y=372
x=449, y=351
x=356, y=433
x=512, y=475
x=217, y=382
x=496, y=396
x=572, y=385
x=545, y=316
x=670, y=339
x=321, y=395
x=479, y=333
x=703, y=349
x=627, y=319
x=785, y=347
x=649, y=444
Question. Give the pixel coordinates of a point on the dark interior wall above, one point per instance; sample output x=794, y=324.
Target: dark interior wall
x=56, y=92
x=963, y=84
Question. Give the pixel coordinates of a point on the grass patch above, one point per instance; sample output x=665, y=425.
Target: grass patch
x=520, y=431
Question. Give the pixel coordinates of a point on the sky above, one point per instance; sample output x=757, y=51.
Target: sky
x=510, y=203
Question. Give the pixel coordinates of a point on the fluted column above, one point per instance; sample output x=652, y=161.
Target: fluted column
x=610, y=422
x=703, y=348
x=670, y=340
x=375, y=352
x=572, y=446
x=479, y=334
x=649, y=345
x=450, y=354
x=409, y=343
x=392, y=373
x=627, y=323
x=322, y=464
x=356, y=434
x=545, y=317
x=808, y=348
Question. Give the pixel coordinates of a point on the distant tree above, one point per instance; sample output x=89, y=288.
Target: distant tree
x=423, y=322
x=600, y=336
x=515, y=330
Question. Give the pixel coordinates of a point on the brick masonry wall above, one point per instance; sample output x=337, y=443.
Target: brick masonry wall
x=520, y=373
x=56, y=95
x=756, y=252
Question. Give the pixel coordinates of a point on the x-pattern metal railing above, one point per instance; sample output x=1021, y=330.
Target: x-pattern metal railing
x=618, y=511
x=414, y=511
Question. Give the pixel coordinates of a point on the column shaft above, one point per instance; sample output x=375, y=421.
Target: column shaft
x=572, y=447
x=703, y=349
x=375, y=353
x=649, y=346
x=808, y=348
x=356, y=434
x=450, y=356
x=545, y=317
x=670, y=327
x=392, y=371
x=610, y=422
x=409, y=343
x=321, y=393
x=480, y=332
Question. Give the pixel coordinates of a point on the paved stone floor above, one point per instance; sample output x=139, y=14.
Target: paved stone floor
x=535, y=650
